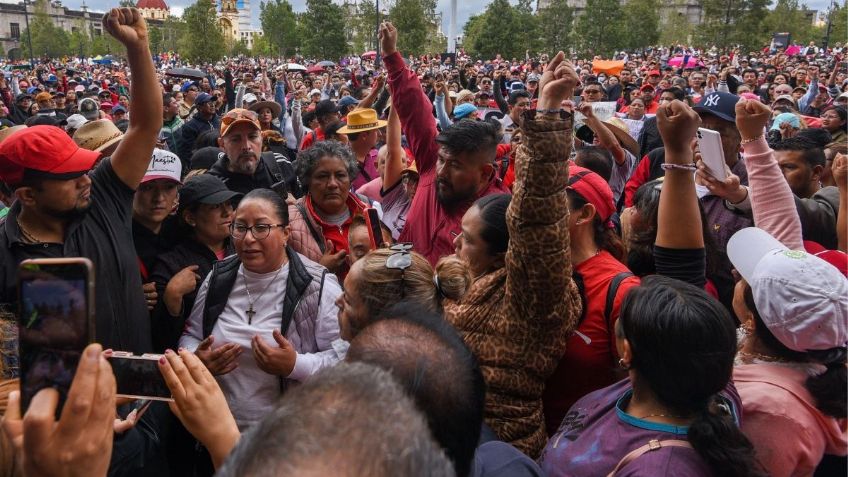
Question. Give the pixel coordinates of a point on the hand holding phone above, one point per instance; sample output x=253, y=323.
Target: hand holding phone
x=712, y=153
x=375, y=232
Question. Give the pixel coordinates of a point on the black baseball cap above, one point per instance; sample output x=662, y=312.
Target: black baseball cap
x=325, y=107
x=205, y=157
x=205, y=189
x=720, y=104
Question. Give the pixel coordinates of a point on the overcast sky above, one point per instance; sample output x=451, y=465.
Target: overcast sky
x=465, y=8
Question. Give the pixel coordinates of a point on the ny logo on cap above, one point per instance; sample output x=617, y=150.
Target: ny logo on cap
x=711, y=101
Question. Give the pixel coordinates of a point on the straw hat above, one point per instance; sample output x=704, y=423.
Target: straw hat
x=274, y=106
x=97, y=135
x=361, y=120
x=620, y=131
x=6, y=132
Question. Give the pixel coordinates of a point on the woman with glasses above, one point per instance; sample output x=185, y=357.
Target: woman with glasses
x=266, y=316
x=523, y=303
x=320, y=220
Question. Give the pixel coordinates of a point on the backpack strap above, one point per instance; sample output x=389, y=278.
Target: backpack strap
x=612, y=291
x=272, y=166
x=319, y=238
x=651, y=446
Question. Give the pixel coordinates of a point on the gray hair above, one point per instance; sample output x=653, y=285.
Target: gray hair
x=351, y=420
x=307, y=160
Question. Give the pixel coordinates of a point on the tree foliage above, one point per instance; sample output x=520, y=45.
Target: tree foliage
x=733, y=22
x=788, y=16
x=364, y=27
x=599, y=29
x=323, y=30
x=202, y=40
x=279, y=24
x=502, y=29
x=641, y=23
x=48, y=40
x=676, y=30
x=839, y=29
x=555, y=25
x=415, y=21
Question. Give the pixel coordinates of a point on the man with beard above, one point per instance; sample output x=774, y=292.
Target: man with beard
x=243, y=166
x=64, y=208
x=455, y=167
x=205, y=119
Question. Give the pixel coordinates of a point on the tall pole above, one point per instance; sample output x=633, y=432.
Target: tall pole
x=29, y=32
x=830, y=12
x=452, y=28
x=377, y=58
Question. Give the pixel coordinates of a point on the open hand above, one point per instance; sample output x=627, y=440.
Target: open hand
x=127, y=26
x=220, y=360
x=277, y=361
x=333, y=261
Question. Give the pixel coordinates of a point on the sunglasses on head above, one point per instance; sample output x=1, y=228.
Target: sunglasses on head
x=400, y=259
x=236, y=114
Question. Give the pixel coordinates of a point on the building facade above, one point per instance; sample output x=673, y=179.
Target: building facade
x=691, y=9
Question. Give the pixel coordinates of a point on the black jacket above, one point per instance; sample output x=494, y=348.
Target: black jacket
x=189, y=132
x=272, y=168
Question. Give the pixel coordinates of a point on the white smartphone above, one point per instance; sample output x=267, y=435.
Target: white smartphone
x=709, y=144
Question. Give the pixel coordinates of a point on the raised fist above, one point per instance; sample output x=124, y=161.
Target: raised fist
x=127, y=26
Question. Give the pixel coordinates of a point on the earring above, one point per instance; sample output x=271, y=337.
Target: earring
x=623, y=364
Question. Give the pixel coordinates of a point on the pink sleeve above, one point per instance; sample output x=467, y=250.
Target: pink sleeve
x=772, y=200
x=784, y=447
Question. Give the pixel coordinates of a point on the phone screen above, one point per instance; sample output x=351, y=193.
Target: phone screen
x=55, y=324
x=375, y=233
x=139, y=377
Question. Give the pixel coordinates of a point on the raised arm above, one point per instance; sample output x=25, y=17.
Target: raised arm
x=396, y=158
x=606, y=138
x=840, y=175
x=538, y=259
x=376, y=88
x=132, y=156
x=441, y=111
x=413, y=106
x=679, y=218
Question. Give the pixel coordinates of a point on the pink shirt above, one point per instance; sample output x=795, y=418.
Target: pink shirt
x=790, y=435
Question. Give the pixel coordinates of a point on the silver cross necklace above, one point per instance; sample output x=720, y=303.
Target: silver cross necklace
x=250, y=311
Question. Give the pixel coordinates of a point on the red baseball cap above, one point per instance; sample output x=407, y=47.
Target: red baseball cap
x=593, y=188
x=654, y=73
x=645, y=87
x=837, y=258
x=43, y=151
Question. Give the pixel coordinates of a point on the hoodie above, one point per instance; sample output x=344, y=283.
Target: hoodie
x=790, y=435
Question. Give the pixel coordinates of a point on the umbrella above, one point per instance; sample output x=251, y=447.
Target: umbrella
x=369, y=54
x=315, y=69
x=326, y=63
x=610, y=67
x=189, y=73
x=678, y=60
x=296, y=67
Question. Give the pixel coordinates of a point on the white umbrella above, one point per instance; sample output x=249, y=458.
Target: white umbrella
x=296, y=67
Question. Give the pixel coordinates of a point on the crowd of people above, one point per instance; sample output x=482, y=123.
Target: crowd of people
x=561, y=280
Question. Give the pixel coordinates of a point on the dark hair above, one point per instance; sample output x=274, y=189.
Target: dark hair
x=596, y=159
x=818, y=136
x=470, y=136
x=428, y=357
x=748, y=70
x=515, y=95
x=841, y=112
x=308, y=160
x=206, y=139
x=665, y=317
x=166, y=99
x=332, y=130
x=829, y=388
x=812, y=152
x=308, y=117
x=678, y=93
x=493, y=214
x=272, y=198
x=605, y=237
x=349, y=419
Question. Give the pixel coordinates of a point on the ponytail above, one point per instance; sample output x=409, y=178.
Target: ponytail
x=720, y=442
x=607, y=239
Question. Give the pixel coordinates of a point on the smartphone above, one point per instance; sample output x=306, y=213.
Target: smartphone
x=55, y=323
x=375, y=232
x=709, y=144
x=138, y=377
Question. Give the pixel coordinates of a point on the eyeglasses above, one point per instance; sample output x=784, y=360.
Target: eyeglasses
x=592, y=91
x=259, y=231
x=400, y=259
x=236, y=114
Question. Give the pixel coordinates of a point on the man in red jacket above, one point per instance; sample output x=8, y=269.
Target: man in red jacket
x=456, y=167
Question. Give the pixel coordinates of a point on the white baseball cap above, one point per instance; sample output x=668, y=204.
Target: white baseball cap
x=163, y=165
x=802, y=299
x=249, y=98
x=75, y=121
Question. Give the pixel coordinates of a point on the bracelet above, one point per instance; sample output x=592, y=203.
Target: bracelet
x=549, y=111
x=746, y=141
x=686, y=167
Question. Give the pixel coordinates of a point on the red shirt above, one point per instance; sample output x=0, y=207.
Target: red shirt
x=316, y=135
x=337, y=234
x=590, y=355
x=429, y=226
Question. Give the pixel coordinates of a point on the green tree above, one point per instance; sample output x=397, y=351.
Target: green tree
x=555, y=24
x=676, y=30
x=788, y=16
x=202, y=40
x=261, y=46
x=48, y=40
x=733, y=22
x=839, y=29
x=238, y=48
x=501, y=29
x=106, y=45
x=323, y=30
x=641, y=23
x=279, y=24
x=414, y=21
x=365, y=27
x=599, y=29
x=172, y=31
x=80, y=43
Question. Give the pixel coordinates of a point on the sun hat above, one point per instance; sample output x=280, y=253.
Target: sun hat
x=361, y=120
x=97, y=135
x=274, y=106
x=43, y=151
x=802, y=299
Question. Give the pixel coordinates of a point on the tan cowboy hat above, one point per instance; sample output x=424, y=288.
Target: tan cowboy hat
x=97, y=135
x=361, y=120
x=274, y=106
x=620, y=131
x=6, y=132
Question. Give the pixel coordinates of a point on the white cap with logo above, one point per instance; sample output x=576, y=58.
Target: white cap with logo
x=802, y=299
x=163, y=165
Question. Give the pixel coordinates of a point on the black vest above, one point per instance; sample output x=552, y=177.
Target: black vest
x=223, y=277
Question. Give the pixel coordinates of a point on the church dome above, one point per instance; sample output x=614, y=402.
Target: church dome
x=153, y=4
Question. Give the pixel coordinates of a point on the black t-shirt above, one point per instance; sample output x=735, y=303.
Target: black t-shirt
x=103, y=235
x=150, y=246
